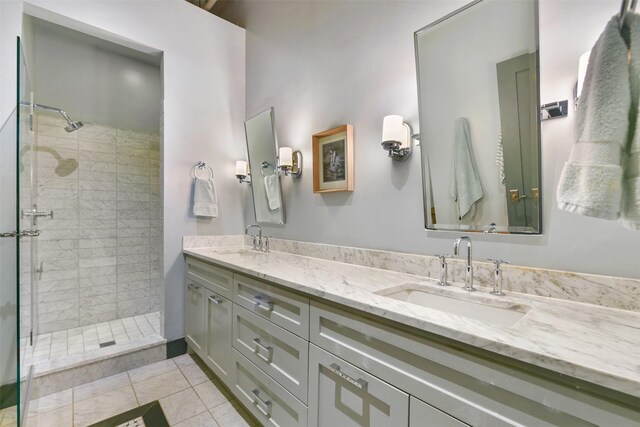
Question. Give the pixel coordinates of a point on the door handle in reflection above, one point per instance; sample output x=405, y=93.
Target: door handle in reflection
x=515, y=196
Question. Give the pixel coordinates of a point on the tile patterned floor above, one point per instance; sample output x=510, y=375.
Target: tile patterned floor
x=87, y=339
x=189, y=394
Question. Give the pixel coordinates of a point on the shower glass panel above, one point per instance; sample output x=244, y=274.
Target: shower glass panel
x=27, y=243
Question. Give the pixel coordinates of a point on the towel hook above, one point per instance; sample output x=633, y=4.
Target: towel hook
x=201, y=166
x=626, y=6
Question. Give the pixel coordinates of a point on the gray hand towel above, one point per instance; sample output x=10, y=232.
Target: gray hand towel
x=591, y=181
x=631, y=184
x=465, y=188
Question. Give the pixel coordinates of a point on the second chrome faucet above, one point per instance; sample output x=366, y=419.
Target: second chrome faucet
x=468, y=273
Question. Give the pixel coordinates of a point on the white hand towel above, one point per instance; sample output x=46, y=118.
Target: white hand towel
x=465, y=189
x=591, y=181
x=631, y=184
x=272, y=190
x=205, y=200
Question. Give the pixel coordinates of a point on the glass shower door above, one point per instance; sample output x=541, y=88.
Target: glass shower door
x=16, y=250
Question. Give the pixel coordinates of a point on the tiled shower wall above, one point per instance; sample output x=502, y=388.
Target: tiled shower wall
x=100, y=257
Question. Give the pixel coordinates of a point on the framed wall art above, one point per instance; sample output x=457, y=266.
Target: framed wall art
x=333, y=160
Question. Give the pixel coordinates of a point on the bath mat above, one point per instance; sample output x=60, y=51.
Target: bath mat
x=149, y=415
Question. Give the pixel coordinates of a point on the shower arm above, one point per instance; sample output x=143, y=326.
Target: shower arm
x=47, y=108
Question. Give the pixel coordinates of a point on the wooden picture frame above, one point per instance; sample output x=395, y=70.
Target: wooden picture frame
x=333, y=160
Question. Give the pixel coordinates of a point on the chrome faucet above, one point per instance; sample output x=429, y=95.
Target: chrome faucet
x=256, y=241
x=468, y=273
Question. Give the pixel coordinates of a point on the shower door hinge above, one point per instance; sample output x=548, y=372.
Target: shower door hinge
x=31, y=338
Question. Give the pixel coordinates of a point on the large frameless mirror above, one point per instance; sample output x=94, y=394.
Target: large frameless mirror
x=479, y=118
x=262, y=148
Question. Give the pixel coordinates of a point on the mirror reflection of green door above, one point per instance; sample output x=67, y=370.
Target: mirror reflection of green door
x=519, y=121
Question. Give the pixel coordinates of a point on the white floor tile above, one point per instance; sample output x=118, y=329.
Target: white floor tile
x=160, y=386
x=103, y=406
x=181, y=406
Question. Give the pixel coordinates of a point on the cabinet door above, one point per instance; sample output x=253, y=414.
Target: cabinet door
x=424, y=415
x=218, y=344
x=342, y=395
x=195, y=317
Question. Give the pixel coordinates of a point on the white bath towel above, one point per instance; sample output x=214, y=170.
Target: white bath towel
x=465, y=188
x=631, y=184
x=205, y=200
x=272, y=189
x=500, y=158
x=591, y=181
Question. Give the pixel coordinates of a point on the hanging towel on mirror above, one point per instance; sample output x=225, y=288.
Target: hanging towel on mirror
x=500, y=158
x=205, y=200
x=630, y=216
x=272, y=189
x=591, y=181
x=465, y=188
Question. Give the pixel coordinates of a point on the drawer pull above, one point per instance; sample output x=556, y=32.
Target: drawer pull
x=266, y=403
x=215, y=300
x=266, y=348
x=360, y=383
x=264, y=303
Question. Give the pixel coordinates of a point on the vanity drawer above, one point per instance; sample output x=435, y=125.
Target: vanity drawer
x=214, y=278
x=475, y=390
x=282, y=307
x=278, y=352
x=342, y=395
x=271, y=404
x=426, y=415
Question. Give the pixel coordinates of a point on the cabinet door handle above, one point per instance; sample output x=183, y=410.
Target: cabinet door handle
x=259, y=401
x=360, y=383
x=266, y=348
x=263, y=303
x=215, y=300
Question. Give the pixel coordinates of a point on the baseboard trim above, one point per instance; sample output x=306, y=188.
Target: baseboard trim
x=176, y=348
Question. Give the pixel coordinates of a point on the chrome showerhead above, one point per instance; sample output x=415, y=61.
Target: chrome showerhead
x=73, y=126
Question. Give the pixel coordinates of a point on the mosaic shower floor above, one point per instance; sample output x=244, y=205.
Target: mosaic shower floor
x=66, y=347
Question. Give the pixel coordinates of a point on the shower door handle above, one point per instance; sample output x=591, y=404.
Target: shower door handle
x=25, y=233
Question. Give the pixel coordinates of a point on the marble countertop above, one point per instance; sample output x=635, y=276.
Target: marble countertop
x=592, y=343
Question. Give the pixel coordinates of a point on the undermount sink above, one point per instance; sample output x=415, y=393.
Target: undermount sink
x=481, y=308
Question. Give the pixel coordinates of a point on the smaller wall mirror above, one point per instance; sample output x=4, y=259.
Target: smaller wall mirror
x=262, y=148
x=479, y=118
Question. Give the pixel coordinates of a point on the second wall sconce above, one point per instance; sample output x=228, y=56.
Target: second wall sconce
x=396, y=138
x=242, y=172
x=290, y=162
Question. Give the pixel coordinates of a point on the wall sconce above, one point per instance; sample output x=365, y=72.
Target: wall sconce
x=242, y=172
x=582, y=73
x=396, y=138
x=290, y=162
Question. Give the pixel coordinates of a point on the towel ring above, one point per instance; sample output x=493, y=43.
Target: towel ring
x=202, y=166
x=266, y=165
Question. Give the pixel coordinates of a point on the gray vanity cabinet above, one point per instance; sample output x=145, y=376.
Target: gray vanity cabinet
x=342, y=395
x=424, y=415
x=195, y=311
x=218, y=354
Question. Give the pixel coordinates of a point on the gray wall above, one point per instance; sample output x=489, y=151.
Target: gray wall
x=94, y=81
x=325, y=63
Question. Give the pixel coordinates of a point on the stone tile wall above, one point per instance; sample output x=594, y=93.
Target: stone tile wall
x=101, y=255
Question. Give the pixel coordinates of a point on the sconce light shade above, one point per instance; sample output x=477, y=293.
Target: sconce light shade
x=286, y=156
x=290, y=162
x=396, y=137
x=241, y=168
x=582, y=71
x=393, y=129
x=242, y=172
